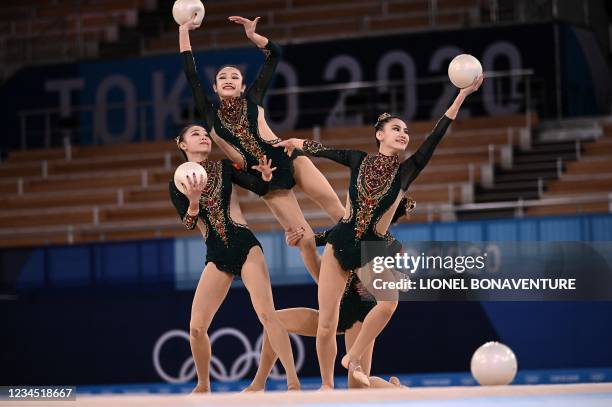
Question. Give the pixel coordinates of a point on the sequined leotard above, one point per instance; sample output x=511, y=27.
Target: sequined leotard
x=375, y=184
x=357, y=301
x=227, y=242
x=355, y=305
x=235, y=121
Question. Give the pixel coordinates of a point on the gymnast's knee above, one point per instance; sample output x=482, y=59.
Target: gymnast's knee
x=325, y=329
x=198, y=331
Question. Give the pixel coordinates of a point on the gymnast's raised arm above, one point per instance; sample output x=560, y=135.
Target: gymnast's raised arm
x=257, y=90
x=205, y=108
x=411, y=167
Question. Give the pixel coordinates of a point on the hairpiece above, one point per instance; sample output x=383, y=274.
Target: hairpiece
x=382, y=117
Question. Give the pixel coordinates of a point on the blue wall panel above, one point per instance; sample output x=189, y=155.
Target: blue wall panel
x=543, y=335
x=68, y=266
x=28, y=265
x=119, y=263
x=181, y=260
x=601, y=227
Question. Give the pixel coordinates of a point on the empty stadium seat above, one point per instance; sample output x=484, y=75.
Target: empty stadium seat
x=121, y=191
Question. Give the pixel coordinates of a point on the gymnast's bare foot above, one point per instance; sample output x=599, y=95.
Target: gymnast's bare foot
x=326, y=387
x=294, y=386
x=395, y=381
x=354, y=368
x=253, y=388
x=201, y=388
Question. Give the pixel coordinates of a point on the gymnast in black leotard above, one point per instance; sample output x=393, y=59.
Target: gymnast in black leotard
x=228, y=242
x=232, y=249
x=357, y=301
x=240, y=129
x=236, y=119
x=377, y=183
x=355, y=305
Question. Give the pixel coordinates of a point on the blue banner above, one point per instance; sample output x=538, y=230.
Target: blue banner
x=147, y=98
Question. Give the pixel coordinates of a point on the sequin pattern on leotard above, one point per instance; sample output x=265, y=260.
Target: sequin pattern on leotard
x=211, y=198
x=376, y=175
x=228, y=243
x=233, y=116
x=376, y=182
x=190, y=220
x=312, y=147
x=236, y=121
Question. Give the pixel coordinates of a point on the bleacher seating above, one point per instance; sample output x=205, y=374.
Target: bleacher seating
x=298, y=20
x=120, y=191
x=37, y=31
x=592, y=174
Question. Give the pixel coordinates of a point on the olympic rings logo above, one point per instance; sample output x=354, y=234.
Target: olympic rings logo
x=218, y=371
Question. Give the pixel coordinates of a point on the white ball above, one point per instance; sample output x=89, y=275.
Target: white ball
x=188, y=168
x=184, y=11
x=493, y=364
x=463, y=70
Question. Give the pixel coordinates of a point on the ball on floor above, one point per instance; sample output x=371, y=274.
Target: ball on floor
x=494, y=364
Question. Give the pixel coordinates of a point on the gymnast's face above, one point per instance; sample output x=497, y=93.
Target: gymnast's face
x=394, y=135
x=229, y=83
x=196, y=140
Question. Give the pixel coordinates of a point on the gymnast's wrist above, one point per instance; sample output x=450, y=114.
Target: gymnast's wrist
x=260, y=41
x=193, y=209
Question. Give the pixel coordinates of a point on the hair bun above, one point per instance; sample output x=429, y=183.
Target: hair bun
x=382, y=117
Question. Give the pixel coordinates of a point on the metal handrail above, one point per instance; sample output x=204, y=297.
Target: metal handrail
x=427, y=209
x=294, y=89
x=376, y=84
x=578, y=199
x=141, y=106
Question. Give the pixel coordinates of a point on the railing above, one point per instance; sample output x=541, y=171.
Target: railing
x=72, y=43
x=524, y=11
x=478, y=13
x=28, y=38
x=447, y=212
x=40, y=127
x=520, y=205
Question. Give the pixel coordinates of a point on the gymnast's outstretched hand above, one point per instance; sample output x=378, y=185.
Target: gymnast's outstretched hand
x=265, y=167
x=452, y=111
x=474, y=86
x=249, y=29
x=290, y=144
